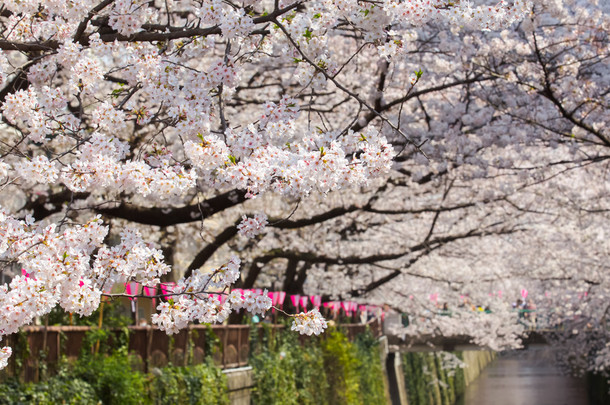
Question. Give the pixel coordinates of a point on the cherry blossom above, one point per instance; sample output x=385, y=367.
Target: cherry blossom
x=309, y=323
x=128, y=125
x=250, y=227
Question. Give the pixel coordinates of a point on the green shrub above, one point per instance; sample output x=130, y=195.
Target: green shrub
x=311, y=378
x=434, y=392
x=203, y=384
x=55, y=391
x=112, y=378
x=342, y=367
x=428, y=383
x=275, y=376
x=459, y=380
x=418, y=378
x=372, y=386
x=325, y=370
x=285, y=371
x=409, y=367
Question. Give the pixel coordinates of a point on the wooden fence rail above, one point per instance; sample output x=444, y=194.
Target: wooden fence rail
x=228, y=345
x=152, y=347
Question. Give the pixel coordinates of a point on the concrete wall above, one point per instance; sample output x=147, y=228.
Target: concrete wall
x=384, y=350
x=476, y=360
x=397, y=388
x=239, y=382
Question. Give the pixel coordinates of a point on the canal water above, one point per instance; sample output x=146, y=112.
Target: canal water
x=525, y=377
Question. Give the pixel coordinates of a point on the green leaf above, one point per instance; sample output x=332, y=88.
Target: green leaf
x=419, y=74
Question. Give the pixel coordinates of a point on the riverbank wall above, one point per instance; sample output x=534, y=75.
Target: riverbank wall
x=434, y=378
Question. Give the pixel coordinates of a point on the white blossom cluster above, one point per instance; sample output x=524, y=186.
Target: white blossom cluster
x=132, y=258
x=41, y=112
x=60, y=267
x=309, y=323
x=250, y=227
x=5, y=353
x=189, y=301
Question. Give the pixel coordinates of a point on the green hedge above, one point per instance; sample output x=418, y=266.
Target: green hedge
x=428, y=383
x=326, y=370
x=204, y=384
x=109, y=379
x=56, y=390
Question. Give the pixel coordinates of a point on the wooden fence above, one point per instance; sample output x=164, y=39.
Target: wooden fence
x=152, y=347
x=228, y=345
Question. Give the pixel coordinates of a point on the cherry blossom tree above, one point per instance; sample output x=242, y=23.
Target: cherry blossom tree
x=511, y=189
x=126, y=122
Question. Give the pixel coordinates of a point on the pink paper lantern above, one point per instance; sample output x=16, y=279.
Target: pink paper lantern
x=149, y=291
x=295, y=301
x=131, y=289
x=167, y=288
x=281, y=298
x=275, y=297
x=346, y=307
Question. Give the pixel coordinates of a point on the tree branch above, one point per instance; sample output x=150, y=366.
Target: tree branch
x=173, y=216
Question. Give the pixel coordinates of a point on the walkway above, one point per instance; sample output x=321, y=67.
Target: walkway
x=525, y=378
